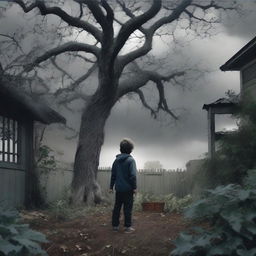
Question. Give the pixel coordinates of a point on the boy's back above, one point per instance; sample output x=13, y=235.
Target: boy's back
x=123, y=177
x=124, y=173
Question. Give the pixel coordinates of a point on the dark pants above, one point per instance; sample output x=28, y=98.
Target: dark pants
x=126, y=199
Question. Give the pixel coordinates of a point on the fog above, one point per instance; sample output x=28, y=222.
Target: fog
x=171, y=143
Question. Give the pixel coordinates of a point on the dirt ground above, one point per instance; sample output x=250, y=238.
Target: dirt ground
x=92, y=234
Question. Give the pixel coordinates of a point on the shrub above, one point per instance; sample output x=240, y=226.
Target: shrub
x=230, y=212
x=60, y=209
x=17, y=239
x=174, y=204
x=138, y=199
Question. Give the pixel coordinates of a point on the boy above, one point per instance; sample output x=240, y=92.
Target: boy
x=123, y=176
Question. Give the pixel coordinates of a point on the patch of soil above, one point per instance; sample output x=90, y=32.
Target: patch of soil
x=93, y=235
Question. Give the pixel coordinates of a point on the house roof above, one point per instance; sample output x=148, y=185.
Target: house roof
x=242, y=57
x=222, y=102
x=17, y=103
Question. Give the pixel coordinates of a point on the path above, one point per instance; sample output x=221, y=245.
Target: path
x=92, y=235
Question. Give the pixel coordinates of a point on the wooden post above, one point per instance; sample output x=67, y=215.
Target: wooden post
x=27, y=157
x=211, y=132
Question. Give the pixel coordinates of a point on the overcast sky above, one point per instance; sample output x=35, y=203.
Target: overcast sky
x=173, y=144
x=176, y=143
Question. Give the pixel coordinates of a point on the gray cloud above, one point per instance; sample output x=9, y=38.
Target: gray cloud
x=173, y=144
x=242, y=24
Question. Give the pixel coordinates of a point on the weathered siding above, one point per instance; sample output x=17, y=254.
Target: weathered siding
x=249, y=73
x=55, y=184
x=12, y=187
x=13, y=176
x=248, y=80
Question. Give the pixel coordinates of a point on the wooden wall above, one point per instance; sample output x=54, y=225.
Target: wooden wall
x=12, y=187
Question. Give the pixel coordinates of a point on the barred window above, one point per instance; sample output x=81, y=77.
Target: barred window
x=8, y=140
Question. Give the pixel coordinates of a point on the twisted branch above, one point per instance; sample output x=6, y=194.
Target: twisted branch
x=67, y=47
x=70, y=20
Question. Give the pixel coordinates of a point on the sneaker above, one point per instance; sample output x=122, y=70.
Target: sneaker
x=129, y=230
x=115, y=229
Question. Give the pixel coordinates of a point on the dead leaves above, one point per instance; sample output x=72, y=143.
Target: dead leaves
x=33, y=215
x=64, y=248
x=76, y=247
x=105, y=249
x=92, y=235
x=84, y=235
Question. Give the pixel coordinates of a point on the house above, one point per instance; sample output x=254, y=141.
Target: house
x=219, y=107
x=18, y=111
x=245, y=62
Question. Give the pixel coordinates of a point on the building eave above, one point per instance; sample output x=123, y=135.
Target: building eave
x=34, y=108
x=222, y=102
x=241, y=58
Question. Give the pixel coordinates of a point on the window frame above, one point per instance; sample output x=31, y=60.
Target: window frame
x=13, y=126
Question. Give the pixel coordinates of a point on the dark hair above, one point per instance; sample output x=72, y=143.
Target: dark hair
x=126, y=146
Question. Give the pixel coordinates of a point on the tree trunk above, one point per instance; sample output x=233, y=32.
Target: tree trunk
x=84, y=186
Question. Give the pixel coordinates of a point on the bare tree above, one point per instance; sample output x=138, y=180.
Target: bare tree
x=119, y=69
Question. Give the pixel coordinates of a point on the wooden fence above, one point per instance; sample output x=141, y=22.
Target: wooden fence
x=158, y=182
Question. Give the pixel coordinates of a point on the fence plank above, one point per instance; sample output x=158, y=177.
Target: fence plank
x=178, y=182
x=160, y=182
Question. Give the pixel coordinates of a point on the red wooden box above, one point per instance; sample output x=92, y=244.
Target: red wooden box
x=153, y=206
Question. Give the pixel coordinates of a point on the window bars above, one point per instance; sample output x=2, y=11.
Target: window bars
x=9, y=137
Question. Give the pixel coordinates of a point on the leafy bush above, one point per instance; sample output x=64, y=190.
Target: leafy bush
x=174, y=204
x=137, y=202
x=230, y=212
x=60, y=209
x=18, y=239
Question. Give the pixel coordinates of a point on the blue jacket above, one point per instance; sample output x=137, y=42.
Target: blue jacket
x=123, y=173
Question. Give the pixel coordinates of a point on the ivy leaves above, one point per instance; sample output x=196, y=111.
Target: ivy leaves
x=18, y=239
x=46, y=158
x=230, y=211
